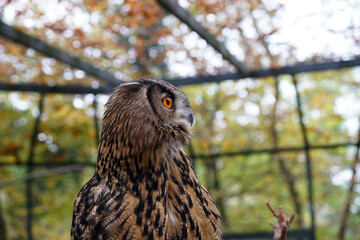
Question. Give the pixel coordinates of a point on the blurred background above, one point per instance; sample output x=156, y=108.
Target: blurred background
x=274, y=86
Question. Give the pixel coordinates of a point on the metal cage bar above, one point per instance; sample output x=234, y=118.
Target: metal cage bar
x=30, y=167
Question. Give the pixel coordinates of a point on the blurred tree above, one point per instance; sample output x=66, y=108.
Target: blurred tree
x=2, y=226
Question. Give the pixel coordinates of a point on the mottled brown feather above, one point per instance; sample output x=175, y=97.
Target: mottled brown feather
x=144, y=186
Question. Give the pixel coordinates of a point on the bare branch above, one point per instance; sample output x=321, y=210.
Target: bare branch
x=282, y=225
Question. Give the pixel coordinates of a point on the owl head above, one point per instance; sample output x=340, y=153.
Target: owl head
x=147, y=114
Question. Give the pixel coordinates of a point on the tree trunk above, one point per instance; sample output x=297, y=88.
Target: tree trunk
x=350, y=193
x=2, y=226
x=288, y=176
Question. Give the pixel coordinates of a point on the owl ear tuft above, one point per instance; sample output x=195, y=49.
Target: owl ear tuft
x=131, y=85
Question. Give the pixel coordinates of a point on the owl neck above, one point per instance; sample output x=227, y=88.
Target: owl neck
x=117, y=161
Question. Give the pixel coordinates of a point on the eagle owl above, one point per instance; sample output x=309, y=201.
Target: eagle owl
x=144, y=186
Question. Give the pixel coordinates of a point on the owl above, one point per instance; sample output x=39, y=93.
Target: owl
x=144, y=186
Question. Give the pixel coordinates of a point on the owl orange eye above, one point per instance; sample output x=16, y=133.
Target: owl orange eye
x=167, y=101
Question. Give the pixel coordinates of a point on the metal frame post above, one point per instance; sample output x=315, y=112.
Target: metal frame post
x=307, y=158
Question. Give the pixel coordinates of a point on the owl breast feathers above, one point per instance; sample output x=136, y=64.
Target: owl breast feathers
x=144, y=186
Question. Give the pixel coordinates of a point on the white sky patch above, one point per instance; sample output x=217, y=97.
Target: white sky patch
x=310, y=26
x=314, y=114
x=101, y=101
x=68, y=74
x=89, y=99
x=52, y=10
x=287, y=89
x=268, y=99
x=342, y=178
x=236, y=105
x=352, y=126
x=240, y=88
x=19, y=103
x=9, y=12
x=184, y=3
x=190, y=40
x=79, y=73
x=348, y=106
x=183, y=69
x=317, y=27
x=86, y=102
x=232, y=38
x=251, y=109
x=78, y=102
